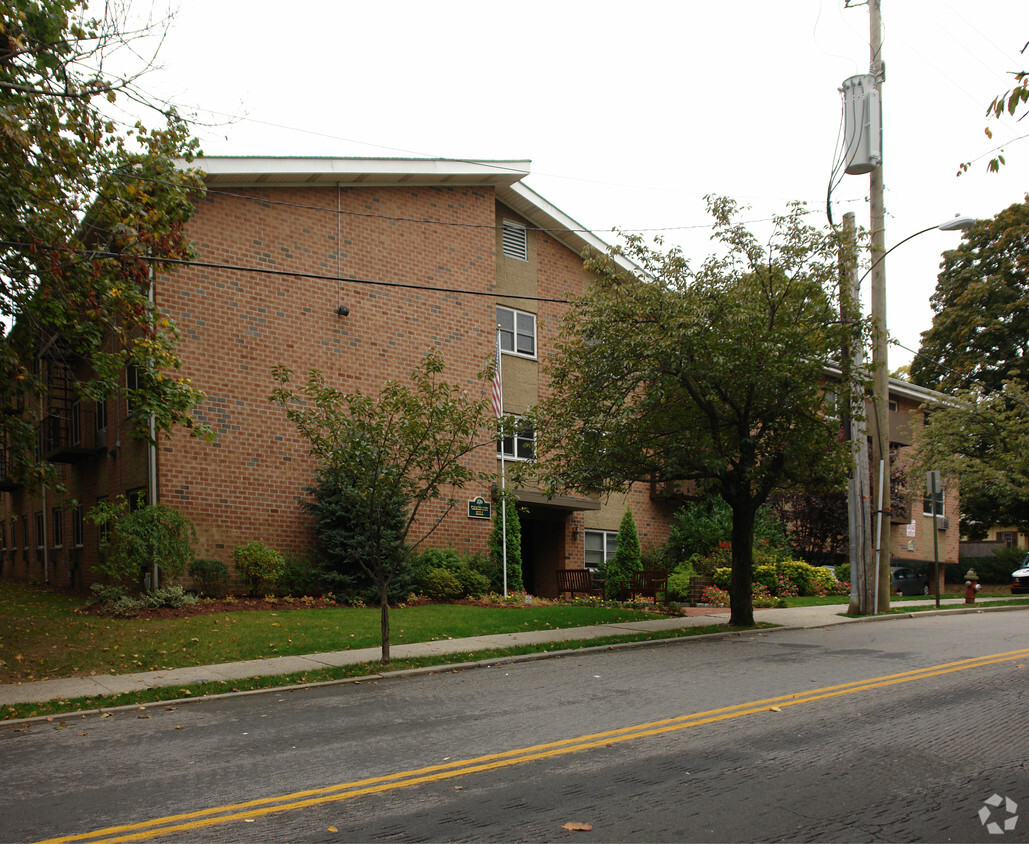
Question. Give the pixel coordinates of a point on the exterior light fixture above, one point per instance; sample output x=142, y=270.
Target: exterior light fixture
x=343, y=310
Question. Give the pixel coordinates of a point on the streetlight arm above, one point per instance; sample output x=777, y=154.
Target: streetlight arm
x=957, y=224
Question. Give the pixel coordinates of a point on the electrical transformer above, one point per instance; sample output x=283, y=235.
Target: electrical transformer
x=862, y=121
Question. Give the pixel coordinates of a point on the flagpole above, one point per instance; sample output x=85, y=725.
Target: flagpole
x=498, y=408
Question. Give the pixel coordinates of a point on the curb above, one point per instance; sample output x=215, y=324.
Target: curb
x=406, y=673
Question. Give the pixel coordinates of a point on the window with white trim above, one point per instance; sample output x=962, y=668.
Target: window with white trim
x=517, y=331
x=514, y=240
x=57, y=517
x=601, y=546
x=927, y=504
x=77, y=532
x=519, y=446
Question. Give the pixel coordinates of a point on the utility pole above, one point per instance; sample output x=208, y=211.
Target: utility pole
x=862, y=573
x=880, y=350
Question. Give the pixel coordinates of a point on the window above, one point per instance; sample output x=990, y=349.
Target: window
x=3, y=536
x=894, y=407
x=25, y=532
x=58, y=519
x=1008, y=537
x=104, y=528
x=927, y=504
x=101, y=415
x=520, y=446
x=601, y=546
x=40, y=535
x=131, y=383
x=514, y=240
x=136, y=498
x=517, y=331
x=76, y=425
x=77, y=535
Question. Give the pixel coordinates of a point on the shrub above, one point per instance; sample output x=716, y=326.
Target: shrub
x=843, y=571
x=167, y=596
x=141, y=536
x=473, y=584
x=439, y=584
x=627, y=558
x=515, y=582
x=210, y=577
x=722, y=576
x=798, y=573
x=679, y=582
x=715, y=596
x=299, y=577
x=114, y=601
x=258, y=565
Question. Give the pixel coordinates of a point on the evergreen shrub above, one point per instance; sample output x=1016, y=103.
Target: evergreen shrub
x=210, y=577
x=258, y=565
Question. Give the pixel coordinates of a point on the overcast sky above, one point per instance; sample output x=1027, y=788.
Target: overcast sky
x=629, y=112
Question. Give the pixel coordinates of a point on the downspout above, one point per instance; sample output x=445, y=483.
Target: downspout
x=152, y=454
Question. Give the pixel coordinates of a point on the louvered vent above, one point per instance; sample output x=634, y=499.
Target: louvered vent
x=515, y=243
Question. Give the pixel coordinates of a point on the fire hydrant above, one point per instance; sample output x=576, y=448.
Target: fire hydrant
x=971, y=586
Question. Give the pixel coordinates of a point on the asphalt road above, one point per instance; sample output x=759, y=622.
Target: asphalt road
x=891, y=731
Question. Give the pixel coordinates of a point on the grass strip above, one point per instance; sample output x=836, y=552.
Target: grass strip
x=71, y=706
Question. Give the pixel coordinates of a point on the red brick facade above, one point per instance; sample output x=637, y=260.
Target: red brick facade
x=414, y=251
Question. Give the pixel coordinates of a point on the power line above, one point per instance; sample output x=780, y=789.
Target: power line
x=293, y=274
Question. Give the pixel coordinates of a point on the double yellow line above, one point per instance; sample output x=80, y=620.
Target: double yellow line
x=252, y=809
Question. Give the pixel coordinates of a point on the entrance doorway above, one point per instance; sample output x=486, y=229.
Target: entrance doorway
x=543, y=547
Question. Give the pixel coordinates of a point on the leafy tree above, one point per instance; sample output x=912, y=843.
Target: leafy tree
x=983, y=441
x=713, y=376
x=88, y=211
x=819, y=528
x=978, y=349
x=404, y=448
x=515, y=582
x=627, y=557
x=980, y=331
x=139, y=536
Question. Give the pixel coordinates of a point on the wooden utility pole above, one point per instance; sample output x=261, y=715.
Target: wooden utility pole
x=862, y=571
x=880, y=427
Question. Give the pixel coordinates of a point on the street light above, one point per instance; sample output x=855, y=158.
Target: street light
x=881, y=387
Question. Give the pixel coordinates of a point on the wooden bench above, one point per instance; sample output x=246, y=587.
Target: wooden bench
x=578, y=580
x=645, y=584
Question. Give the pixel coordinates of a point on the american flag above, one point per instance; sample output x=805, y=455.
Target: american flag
x=498, y=392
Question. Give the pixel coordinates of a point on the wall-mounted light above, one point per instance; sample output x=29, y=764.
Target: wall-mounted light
x=343, y=310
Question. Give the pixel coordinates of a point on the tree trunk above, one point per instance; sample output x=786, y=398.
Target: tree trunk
x=384, y=606
x=741, y=596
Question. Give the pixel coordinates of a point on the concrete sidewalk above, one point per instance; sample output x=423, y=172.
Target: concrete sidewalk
x=112, y=684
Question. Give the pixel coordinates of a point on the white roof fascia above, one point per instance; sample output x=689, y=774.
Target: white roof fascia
x=269, y=170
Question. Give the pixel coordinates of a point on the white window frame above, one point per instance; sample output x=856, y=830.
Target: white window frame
x=516, y=446
x=609, y=547
x=514, y=240
x=509, y=337
x=927, y=499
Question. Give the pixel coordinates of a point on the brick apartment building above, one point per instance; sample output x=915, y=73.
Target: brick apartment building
x=355, y=267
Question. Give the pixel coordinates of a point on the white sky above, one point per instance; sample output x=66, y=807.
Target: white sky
x=630, y=112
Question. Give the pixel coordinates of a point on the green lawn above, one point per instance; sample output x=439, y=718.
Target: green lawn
x=42, y=636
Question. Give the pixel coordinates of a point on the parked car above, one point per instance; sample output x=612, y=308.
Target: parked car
x=908, y=582
x=1020, y=578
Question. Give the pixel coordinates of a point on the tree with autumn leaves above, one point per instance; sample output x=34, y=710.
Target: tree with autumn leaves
x=89, y=211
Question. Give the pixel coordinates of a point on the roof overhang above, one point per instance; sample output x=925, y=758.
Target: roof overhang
x=240, y=171
x=504, y=176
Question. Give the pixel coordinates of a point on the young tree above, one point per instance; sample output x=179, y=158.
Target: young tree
x=714, y=376
x=88, y=213
x=408, y=447
x=627, y=557
x=514, y=542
